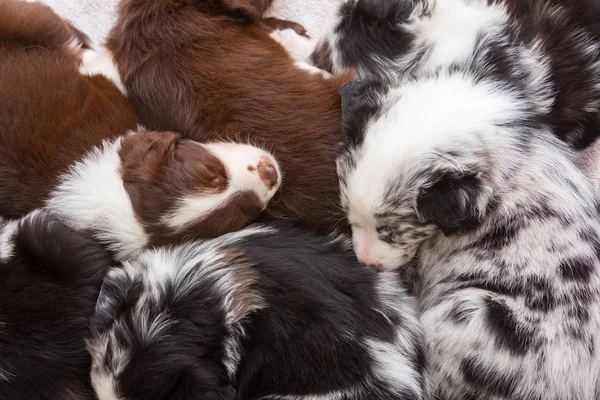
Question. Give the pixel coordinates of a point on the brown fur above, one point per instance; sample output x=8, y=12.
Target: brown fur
x=209, y=69
x=50, y=115
x=159, y=169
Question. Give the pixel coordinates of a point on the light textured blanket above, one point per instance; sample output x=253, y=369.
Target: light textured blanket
x=95, y=17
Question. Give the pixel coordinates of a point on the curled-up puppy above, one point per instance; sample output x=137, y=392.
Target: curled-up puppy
x=154, y=188
x=554, y=47
x=455, y=170
x=64, y=145
x=210, y=70
x=270, y=312
x=50, y=280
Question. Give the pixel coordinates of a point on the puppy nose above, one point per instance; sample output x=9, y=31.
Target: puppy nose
x=377, y=267
x=268, y=172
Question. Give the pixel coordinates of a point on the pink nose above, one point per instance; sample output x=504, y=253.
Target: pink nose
x=268, y=172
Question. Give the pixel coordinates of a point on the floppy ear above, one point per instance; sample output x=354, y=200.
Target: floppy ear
x=360, y=102
x=455, y=202
x=243, y=9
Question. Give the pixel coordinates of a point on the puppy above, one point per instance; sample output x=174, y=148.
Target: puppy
x=153, y=188
x=399, y=38
x=454, y=170
x=51, y=277
x=56, y=106
x=210, y=70
x=268, y=312
x=65, y=146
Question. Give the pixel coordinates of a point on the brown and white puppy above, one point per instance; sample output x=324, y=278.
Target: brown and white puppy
x=64, y=145
x=155, y=188
x=211, y=70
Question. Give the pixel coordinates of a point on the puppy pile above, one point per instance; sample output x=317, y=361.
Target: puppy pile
x=143, y=254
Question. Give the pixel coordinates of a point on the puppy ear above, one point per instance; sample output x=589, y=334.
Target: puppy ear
x=360, y=102
x=455, y=202
x=243, y=9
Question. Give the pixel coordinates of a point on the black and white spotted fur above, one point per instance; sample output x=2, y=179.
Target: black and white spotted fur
x=50, y=277
x=554, y=46
x=454, y=168
x=270, y=312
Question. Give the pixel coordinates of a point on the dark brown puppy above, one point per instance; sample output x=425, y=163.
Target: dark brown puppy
x=210, y=70
x=64, y=145
x=50, y=114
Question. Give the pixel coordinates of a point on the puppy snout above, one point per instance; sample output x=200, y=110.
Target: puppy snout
x=268, y=172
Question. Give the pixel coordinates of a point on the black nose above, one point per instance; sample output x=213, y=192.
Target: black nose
x=376, y=267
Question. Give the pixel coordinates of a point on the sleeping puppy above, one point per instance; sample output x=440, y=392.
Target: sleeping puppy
x=51, y=277
x=155, y=188
x=268, y=312
x=210, y=70
x=454, y=170
x=65, y=146
x=399, y=38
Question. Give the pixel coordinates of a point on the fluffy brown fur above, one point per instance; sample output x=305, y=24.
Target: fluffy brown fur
x=63, y=132
x=51, y=115
x=210, y=70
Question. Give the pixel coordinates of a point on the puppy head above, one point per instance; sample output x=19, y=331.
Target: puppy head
x=165, y=324
x=423, y=157
x=367, y=35
x=181, y=188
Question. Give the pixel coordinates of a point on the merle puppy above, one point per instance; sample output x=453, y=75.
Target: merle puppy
x=270, y=312
x=50, y=280
x=561, y=38
x=454, y=169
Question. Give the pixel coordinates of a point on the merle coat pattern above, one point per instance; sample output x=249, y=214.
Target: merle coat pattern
x=268, y=312
x=399, y=38
x=50, y=280
x=455, y=169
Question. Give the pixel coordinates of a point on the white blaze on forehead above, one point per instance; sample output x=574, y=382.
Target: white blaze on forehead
x=454, y=28
x=241, y=163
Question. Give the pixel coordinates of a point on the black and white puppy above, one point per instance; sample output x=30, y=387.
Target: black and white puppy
x=270, y=312
x=50, y=280
x=554, y=46
x=453, y=165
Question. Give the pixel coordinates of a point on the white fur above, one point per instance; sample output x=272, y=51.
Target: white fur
x=104, y=385
x=312, y=69
x=409, y=130
x=92, y=196
x=237, y=159
x=453, y=28
x=100, y=62
x=8, y=231
x=298, y=47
